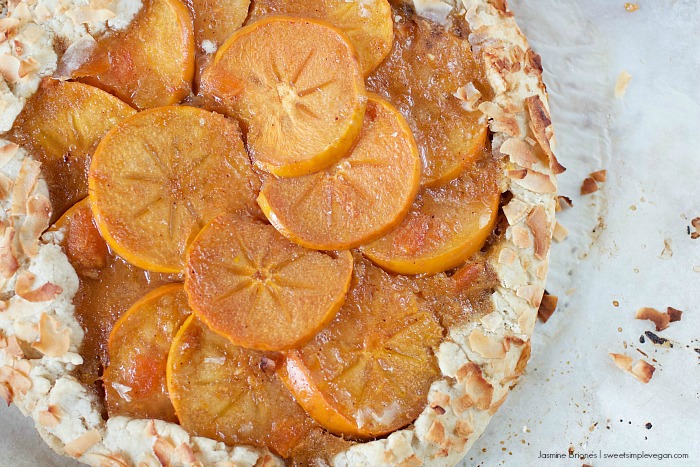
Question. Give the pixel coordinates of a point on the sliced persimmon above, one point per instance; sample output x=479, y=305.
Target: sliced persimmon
x=368, y=373
x=216, y=20
x=231, y=394
x=61, y=125
x=138, y=351
x=445, y=226
x=358, y=199
x=297, y=85
x=369, y=25
x=249, y=283
x=149, y=64
x=158, y=177
x=432, y=96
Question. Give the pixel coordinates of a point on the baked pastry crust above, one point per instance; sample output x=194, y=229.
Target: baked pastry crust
x=480, y=361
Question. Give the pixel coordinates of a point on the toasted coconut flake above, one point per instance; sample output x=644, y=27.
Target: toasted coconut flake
x=518, y=174
x=436, y=433
x=623, y=362
x=563, y=201
x=36, y=222
x=7, y=152
x=623, y=80
x=53, y=342
x=643, y=371
x=51, y=417
x=521, y=237
x=469, y=96
x=500, y=120
x=25, y=282
x=507, y=256
x=9, y=68
x=524, y=357
x=24, y=184
x=537, y=221
x=492, y=321
x=185, y=454
x=541, y=126
x=588, y=186
x=28, y=66
x=519, y=151
x=673, y=314
x=478, y=391
x=8, y=259
x=17, y=380
x=515, y=210
x=123, y=391
x=548, y=306
x=560, y=232
x=661, y=320
x=13, y=348
x=6, y=184
x=486, y=345
x=531, y=293
x=536, y=181
x=9, y=25
x=631, y=7
x=463, y=428
x=599, y=176
x=80, y=445
x=88, y=15
x=497, y=405
x=150, y=429
x=696, y=225
x=5, y=393
x=163, y=450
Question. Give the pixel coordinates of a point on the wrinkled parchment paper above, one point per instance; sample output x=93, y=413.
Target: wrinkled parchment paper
x=572, y=397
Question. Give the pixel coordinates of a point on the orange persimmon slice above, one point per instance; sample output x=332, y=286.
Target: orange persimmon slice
x=149, y=64
x=368, y=373
x=433, y=96
x=445, y=226
x=138, y=351
x=297, y=85
x=359, y=198
x=61, y=126
x=231, y=394
x=368, y=24
x=216, y=20
x=249, y=283
x=158, y=177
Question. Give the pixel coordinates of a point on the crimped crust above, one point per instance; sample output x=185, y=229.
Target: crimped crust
x=480, y=361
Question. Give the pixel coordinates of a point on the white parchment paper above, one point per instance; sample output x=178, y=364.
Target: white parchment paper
x=572, y=397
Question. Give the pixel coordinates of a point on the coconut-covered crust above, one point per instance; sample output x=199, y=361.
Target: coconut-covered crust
x=480, y=361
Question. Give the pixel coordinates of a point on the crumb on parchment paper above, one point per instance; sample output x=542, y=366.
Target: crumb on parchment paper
x=623, y=80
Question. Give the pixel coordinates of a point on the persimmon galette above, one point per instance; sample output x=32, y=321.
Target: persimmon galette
x=274, y=231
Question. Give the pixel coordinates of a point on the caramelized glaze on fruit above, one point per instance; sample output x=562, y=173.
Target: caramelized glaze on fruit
x=361, y=197
x=149, y=64
x=61, y=125
x=367, y=23
x=249, y=283
x=138, y=347
x=421, y=75
x=231, y=394
x=109, y=286
x=159, y=176
x=297, y=86
x=445, y=226
x=368, y=373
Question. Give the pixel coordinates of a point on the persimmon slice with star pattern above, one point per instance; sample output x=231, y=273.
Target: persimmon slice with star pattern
x=157, y=178
x=249, y=283
x=368, y=373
